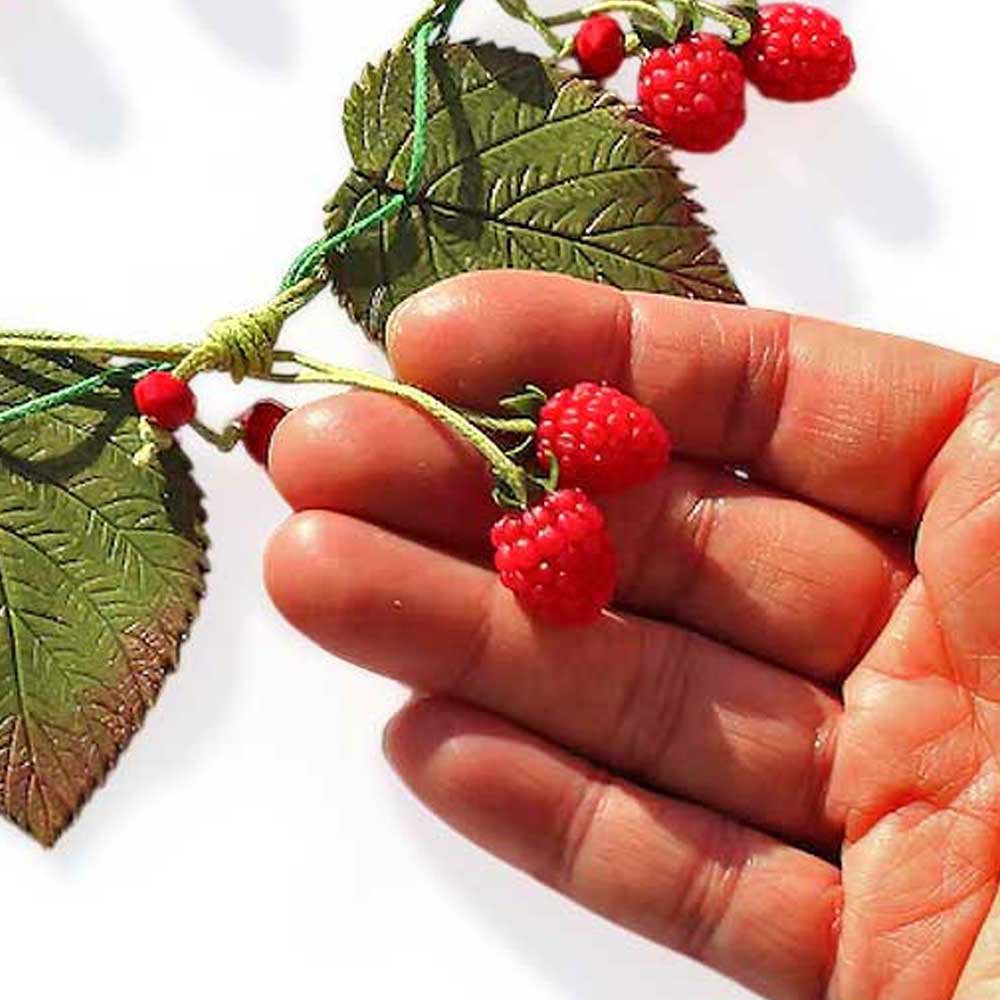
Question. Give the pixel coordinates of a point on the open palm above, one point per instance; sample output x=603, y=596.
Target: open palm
x=779, y=753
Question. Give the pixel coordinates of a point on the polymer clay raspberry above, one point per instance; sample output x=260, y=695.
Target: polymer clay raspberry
x=599, y=47
x=557, y=558
x=167, y=400
x=603, y=440
x=798, y=53
x=694, y=92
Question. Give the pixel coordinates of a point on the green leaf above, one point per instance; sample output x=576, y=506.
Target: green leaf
x=650, y=39
x=101, y=571
x=527, y=167
x=655, y=27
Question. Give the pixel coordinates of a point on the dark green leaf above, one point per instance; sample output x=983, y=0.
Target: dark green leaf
x=527, y=167
x=101, y=571
x=654, y=27
x=650, y=39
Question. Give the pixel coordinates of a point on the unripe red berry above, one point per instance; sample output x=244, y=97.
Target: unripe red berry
x=259, y=424
x=557, y=558
x=600, y=46
x=603, y=440
x=798, y=53
x=694, y=92
x=165, y=399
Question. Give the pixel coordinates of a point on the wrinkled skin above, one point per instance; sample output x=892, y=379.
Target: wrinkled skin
x=779, y=752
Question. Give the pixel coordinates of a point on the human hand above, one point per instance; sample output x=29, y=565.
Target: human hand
x=779, y=755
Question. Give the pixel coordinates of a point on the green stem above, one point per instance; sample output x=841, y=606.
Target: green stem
x=507, y=472
x=441, y=13
x=500, y=425
x=44, y=340
x=471, y=428
x=521, y=10
x=649, y=14
x=645, y=11
x=68, y=393
x=740, y=28
x=421, y=36
x=569, y=17
x=224, y=440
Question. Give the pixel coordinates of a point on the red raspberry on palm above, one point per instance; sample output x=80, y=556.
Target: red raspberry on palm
x=798, y=53
x=694, y=92
x=603, y=440
x=557, y=558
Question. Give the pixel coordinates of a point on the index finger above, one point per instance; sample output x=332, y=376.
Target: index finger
x=844, y=417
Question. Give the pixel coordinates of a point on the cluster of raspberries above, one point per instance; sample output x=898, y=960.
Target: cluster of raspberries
x=556, y=556
x=694, y=91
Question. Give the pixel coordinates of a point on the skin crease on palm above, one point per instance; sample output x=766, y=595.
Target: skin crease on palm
x=778, y=753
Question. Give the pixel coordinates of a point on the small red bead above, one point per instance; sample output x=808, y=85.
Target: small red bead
x=259, y=424
x=165, y=399
x=600, y=47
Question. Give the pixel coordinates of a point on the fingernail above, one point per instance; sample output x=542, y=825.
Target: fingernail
x=421, y=307
x=396, y=321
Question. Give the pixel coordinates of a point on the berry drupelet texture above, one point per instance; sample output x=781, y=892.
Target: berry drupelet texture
x=165, y=399
x=694, y=92
x=557, y=558
x=798, y=53
x=603, y=440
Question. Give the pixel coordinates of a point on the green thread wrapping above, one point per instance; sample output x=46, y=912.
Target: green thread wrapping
x=244, y=344
x=123, y=375
x=507, y=472
x=306, y=264
x=419, y=155
x=313, y=256
x=154, y=440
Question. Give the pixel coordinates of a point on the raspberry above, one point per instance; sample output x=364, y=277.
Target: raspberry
x=603, y=440
x=165, y=399
x=798, y=53
x=694, y=92
x=600, y=47
x=259, y=424
x=557, y=558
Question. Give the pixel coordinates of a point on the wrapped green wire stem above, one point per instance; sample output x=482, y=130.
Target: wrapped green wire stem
x=244, y=344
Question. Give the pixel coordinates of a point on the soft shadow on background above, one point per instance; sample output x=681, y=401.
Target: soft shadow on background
x=258, y=32
x=52, y=64
x=793, y=185
x=583, y=958
x=49, y=61
x=798, y=179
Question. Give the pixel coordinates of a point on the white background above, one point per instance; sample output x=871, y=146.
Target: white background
x=160, y=162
